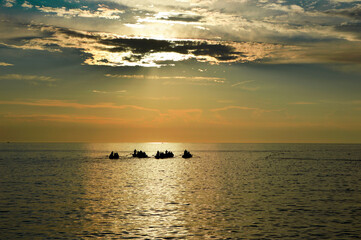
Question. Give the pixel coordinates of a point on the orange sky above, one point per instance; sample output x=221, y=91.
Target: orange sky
x=186, y=71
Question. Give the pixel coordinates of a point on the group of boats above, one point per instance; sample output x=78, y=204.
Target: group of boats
x=159, y=155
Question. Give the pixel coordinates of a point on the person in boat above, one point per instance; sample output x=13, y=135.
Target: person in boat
x=113, y=155
x=139, y=154
x=187, y=154
x=165, y=154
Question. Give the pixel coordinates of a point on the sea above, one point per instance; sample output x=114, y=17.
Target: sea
x=226, y=191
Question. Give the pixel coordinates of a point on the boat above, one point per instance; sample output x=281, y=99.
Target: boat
x=187, y=154
x=139, y=154
x=166, y=154
x=114, y=155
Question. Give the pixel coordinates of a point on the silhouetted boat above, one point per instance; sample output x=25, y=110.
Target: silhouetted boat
x=139, y=154
x=166, y=154
x=187, y=154
x=113, y=155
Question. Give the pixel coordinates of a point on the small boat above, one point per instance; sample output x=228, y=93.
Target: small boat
x=113, y=155
x=139, y=154
x=187, y=154
x=166, y=154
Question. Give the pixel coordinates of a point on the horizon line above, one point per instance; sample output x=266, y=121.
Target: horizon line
x=159, y=142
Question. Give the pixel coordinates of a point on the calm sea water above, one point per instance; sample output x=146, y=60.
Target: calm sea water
x=250, y=191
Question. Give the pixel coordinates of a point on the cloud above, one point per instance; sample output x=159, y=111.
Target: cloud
x=150, y=52
x=255, y=111
x=179, y=115
x=172, y=18
x=272, y=21
x=346, y=1
x=232, y=108
x=354, y=29
x=331, y=102
x=157, y=98
x=203, y=81
x=106, y=49
x=323, y=53
x=262, y=21
x=125, y=76
x=174, y=80
x=9, y=3
x=27, y=77
x=302, y=103
x=156, y=117
x=233, y=114
x=27, y=5
x=112, y=92
x=101, y=12
x=351, y=102
x=72, y=119
x=31, y=43
x=245, y=85
x=284, y=8
x=68, y=104
x=354, y=12
x=4, y=64
x=115, y=50
x=191, y=78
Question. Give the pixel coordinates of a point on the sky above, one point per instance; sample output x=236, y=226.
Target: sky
x=252, y=71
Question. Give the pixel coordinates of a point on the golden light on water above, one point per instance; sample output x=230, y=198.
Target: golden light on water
x=151, y=188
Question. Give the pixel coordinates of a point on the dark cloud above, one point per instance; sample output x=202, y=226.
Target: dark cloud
x=354, y=28
x=77, y=34
x=198, y=48
x=136, y=45
x=108, y=49
x=354, y=12
x=183, y=18
x=115, y=50
x=349, y=27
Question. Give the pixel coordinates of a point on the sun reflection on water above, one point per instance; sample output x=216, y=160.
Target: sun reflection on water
x=224, y=192
x=139, y=194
